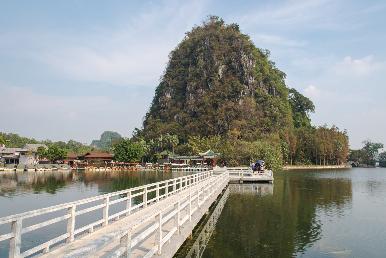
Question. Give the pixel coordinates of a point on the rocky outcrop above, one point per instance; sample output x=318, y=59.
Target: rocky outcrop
x=218, y=83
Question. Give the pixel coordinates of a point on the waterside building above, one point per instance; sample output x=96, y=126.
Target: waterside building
x=23, y=156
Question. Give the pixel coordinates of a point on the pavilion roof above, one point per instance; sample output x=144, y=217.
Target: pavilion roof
x=96, y=154
x=209, y=153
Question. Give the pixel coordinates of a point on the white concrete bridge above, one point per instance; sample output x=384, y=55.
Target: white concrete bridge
x=152, y=220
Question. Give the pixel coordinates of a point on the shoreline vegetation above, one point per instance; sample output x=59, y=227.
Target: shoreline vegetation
x=318, y=167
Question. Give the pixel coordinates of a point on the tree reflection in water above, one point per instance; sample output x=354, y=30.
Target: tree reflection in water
x=277, y=223
x=12, y=183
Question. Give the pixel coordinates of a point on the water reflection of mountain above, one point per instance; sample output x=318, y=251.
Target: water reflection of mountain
x=48, y=181
x=282, y=224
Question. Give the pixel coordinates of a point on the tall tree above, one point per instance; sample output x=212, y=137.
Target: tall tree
x=370, y=150
x=2, y=140
x=55, y=153
x=382, y=159
x=301, y=108
x=128, y=151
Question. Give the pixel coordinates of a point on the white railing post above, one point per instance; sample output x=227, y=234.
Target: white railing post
x=177, y=216
x=106, y=211
x=15, y=242
x=174, y=185
x=128, y=202
x=157, y=192
x=198, y=197
x=166, y=188
x=204, y=193
x=145, y=197
x=190, y=205
x=159, y=232
x=71, y=223
x=125, y=242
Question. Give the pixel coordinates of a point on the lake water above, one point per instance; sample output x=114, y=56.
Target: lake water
x=307, y=214
x=25, y=191
x=303, y=214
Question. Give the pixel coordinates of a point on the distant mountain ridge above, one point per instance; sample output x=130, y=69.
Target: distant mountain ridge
x=106, y=141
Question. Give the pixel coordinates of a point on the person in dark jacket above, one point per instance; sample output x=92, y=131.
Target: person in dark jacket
x=258, y=166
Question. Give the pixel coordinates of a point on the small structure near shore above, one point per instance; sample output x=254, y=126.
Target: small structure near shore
x=26, y=156
x=208, y=158
x=245, y=174
x=94, y=159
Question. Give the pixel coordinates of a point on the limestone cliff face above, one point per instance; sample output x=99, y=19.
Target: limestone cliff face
x=218, y=83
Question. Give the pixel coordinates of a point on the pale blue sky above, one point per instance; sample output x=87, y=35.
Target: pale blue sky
x=72, y=69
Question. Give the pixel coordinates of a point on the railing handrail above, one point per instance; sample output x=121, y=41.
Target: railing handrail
x=16, y=220
x=185, y=196
x=53, y=208
x=129, y=242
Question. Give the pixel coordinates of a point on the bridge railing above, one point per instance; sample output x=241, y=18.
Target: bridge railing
x=129, y=201
x=239, y=171
x=190, y=169
x=246, y=171
x=180, y=212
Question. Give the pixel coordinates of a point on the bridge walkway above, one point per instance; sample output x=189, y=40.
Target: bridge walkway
x=143, y=226
x=151, y=220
